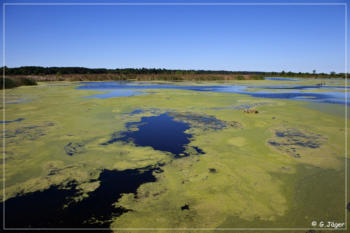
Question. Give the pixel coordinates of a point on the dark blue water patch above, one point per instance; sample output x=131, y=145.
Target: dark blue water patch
x=17, y=120
x=215, y=88
x=116, y=93
x=331, y=97
x=334, y=101
x=44, y=209
x=324, y=97
x=198, y=150
x=283, y=79
x=290, y=95
x=303, y=87
x=137, y=111
x=141, y=86
x=160, y=132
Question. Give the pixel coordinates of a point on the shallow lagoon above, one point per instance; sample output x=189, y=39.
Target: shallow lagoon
x=160, y=132
x=315, y=93
x=236, y=170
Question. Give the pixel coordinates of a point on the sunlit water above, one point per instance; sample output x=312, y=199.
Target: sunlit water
x=313, y=93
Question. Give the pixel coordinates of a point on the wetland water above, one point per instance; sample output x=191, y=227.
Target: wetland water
x=17, y=120
x=160, y=132
x=168, y=158
x=315, y=93
x=45, y=208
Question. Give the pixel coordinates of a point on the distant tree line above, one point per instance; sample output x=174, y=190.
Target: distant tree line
x=38, y=70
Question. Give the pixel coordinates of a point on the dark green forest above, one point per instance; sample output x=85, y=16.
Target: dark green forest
x=38, y=70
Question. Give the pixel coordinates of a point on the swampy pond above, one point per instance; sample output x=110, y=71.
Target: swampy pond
x=116, y=155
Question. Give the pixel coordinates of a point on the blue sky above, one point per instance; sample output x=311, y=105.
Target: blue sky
x=250, y=38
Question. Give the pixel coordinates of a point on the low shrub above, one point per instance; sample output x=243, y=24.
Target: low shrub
x=15, y=82
x=28, y=82
x=9, y=83
x=257, y=77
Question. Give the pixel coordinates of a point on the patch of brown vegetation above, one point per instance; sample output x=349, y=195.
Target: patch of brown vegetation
x=249, y=110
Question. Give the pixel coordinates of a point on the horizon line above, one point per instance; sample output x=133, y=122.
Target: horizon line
x=171, y=69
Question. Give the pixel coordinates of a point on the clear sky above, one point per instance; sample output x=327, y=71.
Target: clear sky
x=249, y=38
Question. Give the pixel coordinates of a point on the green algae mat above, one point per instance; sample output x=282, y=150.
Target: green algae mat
x=282, y=166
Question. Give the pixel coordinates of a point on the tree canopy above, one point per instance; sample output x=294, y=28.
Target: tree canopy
x=38, y=70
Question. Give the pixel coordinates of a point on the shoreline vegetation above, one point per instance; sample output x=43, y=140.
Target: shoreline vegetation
x=30, y=75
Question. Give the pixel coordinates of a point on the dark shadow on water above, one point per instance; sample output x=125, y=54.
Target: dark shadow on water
x=44, y=209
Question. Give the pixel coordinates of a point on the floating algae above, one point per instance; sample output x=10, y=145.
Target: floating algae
x=73, y=148
x=200, y=120
x=292, y=141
